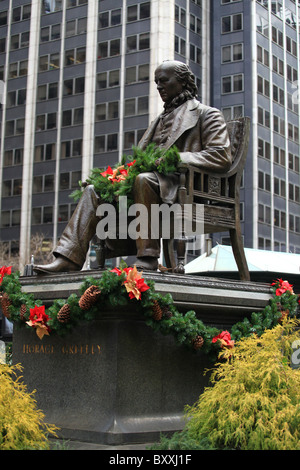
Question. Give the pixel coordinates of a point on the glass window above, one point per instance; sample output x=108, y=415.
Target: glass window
x=101, y=80
x=130, y=75
x=144, y=41
x=78, y=116
x=104, y=20
x=130, y=107
x=77, y=147
x=53, y=90
x=101, y=112
x=131, y=44
x=42, y=93
x=113, y=110
x=49, y=183
x=132, y=13
x=6, y=188
x=81, y=25
x=112, y=142
x=36, y=215
x=50, y=152
x=114, y=79
x=115, y=47
x=37, y=186
x=63, y=213
x=15, y=218
x=99, y=144
x=116, y=17
x=79, y=85
x=71, y=28
x=51, y=121
x=68, y=87
x=5, y=218
x=102, y=50
x=64, y=182
x=40, y=123
x=67, y=118
x=48, y=215
x=144, y=10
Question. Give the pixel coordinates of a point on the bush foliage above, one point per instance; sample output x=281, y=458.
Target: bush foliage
x=254, y=400
x=21, y=423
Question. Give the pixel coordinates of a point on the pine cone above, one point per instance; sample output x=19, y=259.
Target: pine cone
x=89, y=297
x=197, y=342
x=64, y=314
x=156, y=311
x=5, y=303
x=284, y=314
x=166, y=311
x=23, y=310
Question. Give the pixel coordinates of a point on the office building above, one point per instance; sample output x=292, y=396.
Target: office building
x=78, y=92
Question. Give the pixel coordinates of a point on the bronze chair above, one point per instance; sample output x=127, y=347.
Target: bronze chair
x=220, y=195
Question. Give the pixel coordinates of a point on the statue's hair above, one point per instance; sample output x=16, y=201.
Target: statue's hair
x=184, y=75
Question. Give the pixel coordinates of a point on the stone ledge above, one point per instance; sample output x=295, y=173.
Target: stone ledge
x=212, y=299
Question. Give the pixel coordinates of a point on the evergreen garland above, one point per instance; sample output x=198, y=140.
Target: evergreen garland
x=186, y=328
x=141, y=161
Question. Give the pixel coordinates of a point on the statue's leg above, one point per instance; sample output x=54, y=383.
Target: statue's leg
x=73, y=245
x=146, y=191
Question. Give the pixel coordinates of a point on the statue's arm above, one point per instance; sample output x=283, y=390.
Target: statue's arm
x=215, y=153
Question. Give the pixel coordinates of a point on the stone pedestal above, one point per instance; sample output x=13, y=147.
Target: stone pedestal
x=115, y=380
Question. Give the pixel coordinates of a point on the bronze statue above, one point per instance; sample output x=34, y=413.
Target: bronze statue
x=199, y=132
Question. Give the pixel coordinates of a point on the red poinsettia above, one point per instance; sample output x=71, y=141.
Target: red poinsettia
x=5, y=270
x=282, y=287
x=134, y=283
x=118, y=174
x=38, y=320
x=225, y=340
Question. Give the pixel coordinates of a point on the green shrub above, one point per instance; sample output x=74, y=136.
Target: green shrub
x=254, y=400
x=21, y=423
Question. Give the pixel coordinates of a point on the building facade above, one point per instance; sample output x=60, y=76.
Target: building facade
x=78, y=92
x=255, y=72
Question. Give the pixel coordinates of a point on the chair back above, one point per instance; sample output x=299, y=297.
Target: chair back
x=239, y=132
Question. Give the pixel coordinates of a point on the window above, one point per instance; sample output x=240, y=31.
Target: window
x=71, y=148
x=44, y=152
x=233, y=112
x=75, y=27
x=50, y=33
x=13, y=157
x=232, y=23
x=110, y=18
x=232, y=53
x=106, y=143
x=232, y=83
x=109, y=48
x=138, y=12
x=136, y=106
x=106, y=111
x=135, y=74
x=75, y=56
x=138, y=42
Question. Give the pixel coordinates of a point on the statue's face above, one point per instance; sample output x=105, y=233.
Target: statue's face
x=167, y=84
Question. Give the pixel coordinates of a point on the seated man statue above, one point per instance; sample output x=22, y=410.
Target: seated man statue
x=200, y=134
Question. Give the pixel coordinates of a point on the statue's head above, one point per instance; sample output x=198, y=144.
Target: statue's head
x=174, y=78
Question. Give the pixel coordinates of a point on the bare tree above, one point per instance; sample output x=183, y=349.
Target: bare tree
x=40, y=248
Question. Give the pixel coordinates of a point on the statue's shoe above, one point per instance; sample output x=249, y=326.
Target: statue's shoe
x=59, y=265
x=147, y=263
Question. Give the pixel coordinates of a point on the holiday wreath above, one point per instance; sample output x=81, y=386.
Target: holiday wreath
x=118, y=181
x=126, y=286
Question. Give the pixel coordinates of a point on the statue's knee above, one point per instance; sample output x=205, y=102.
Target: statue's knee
x=142, y=180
